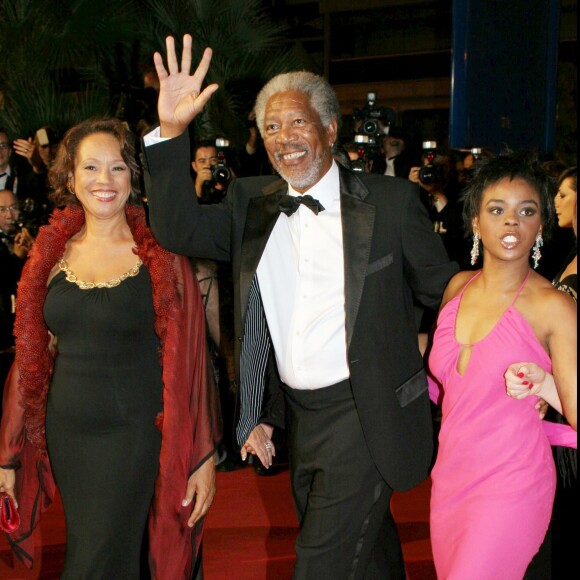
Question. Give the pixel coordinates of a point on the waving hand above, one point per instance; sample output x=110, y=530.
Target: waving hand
x=180, y=97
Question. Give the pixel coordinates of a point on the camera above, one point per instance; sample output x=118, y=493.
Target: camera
x=220, y=172
x=430, y=173
x=32, y=217
x=372, y=117
x=361, y=147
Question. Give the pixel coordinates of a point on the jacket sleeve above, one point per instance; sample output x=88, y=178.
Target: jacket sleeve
x=274, y=406
x=179, y=223
x=427, y=265
x=12, y=431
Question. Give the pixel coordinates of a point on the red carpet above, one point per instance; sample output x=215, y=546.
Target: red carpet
x=249, y=533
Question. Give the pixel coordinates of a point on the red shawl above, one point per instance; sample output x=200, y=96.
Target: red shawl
x=190, y=420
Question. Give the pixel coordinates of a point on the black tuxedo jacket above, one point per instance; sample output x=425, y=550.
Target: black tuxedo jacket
x=392, y=257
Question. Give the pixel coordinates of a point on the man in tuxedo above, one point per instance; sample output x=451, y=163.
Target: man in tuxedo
x=7, y=174
x=326, y=266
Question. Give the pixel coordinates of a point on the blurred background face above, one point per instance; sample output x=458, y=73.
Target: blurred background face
x=393, y=146
x=205, y=158
x=565, y=201
x=5, y=151
x=9, y=211
x=46, y=150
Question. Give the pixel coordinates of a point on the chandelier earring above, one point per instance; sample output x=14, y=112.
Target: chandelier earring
x=536, y=253
x=475, y=248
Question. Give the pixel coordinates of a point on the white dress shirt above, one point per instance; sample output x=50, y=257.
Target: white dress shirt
x=4, y=177
x=390, y=169
x=301, y=276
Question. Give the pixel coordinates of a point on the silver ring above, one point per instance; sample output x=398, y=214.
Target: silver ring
x=268, y=446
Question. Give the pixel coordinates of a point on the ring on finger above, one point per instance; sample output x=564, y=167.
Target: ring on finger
x=268, y=446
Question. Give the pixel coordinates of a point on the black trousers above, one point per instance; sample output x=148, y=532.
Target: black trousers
x=347, y=531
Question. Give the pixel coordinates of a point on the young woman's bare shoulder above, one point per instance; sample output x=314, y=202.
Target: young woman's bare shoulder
x=557, y=302
x=456, y=285
x=549, y=303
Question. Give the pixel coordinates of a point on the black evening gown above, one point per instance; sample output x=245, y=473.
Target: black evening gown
x=103, y=399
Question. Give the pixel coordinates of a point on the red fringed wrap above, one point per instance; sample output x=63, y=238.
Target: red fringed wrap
x=190, y=422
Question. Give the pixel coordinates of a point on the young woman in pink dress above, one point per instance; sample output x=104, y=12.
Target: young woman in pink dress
x=494, y=477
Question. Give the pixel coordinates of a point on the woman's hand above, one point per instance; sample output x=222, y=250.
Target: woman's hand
x=201, y=488
x=524, y=379
x=7, y=481
x=260, y=444
x=24, y=148
x=180, y=96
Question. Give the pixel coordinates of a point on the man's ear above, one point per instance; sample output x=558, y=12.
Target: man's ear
x=332, y=132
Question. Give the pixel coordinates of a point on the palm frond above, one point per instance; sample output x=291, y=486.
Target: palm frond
x=63, y=60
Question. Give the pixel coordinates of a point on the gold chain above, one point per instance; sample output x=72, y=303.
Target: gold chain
x=71, y=277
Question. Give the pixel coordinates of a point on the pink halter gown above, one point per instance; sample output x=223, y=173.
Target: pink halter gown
x=494, y=477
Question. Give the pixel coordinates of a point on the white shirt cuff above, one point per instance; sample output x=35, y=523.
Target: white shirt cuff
x=154, y=137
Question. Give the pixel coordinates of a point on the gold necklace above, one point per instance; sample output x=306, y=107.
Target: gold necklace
x=71, y=277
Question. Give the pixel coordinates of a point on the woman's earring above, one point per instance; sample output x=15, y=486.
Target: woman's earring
x=475, y=249
x=536, y=253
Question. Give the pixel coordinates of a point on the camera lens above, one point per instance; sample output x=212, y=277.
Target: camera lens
x=370, y=127
x=221, y=174
x=428, y=175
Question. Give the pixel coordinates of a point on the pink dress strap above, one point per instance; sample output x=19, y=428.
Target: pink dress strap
x=521, y=287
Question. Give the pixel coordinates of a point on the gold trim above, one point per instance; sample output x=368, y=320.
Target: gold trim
x=71, y=277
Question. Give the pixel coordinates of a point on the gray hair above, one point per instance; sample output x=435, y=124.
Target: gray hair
x=322, y=96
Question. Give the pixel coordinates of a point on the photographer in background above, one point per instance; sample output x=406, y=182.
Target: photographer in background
x=371, y=125
x=212, y=175
x=15, y=244
x=15, y=240
x=439, y=192
x=397, y=159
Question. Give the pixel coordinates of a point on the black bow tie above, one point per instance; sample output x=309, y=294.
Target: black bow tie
x=289, y=204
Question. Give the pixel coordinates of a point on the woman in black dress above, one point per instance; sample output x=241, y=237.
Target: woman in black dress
x=130, y=430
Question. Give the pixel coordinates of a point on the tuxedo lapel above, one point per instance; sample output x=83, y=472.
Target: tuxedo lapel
x=261, y=218
x=358, y=219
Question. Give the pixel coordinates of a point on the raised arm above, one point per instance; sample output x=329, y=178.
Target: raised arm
x=179, y=224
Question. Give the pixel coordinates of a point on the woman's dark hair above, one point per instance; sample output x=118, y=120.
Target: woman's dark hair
x=570, y=173
x=64, y=162
x=509, y=165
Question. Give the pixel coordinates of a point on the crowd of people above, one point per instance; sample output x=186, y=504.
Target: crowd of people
x=138, y=361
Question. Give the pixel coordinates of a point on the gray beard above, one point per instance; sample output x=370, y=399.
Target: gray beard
x=308, y=179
